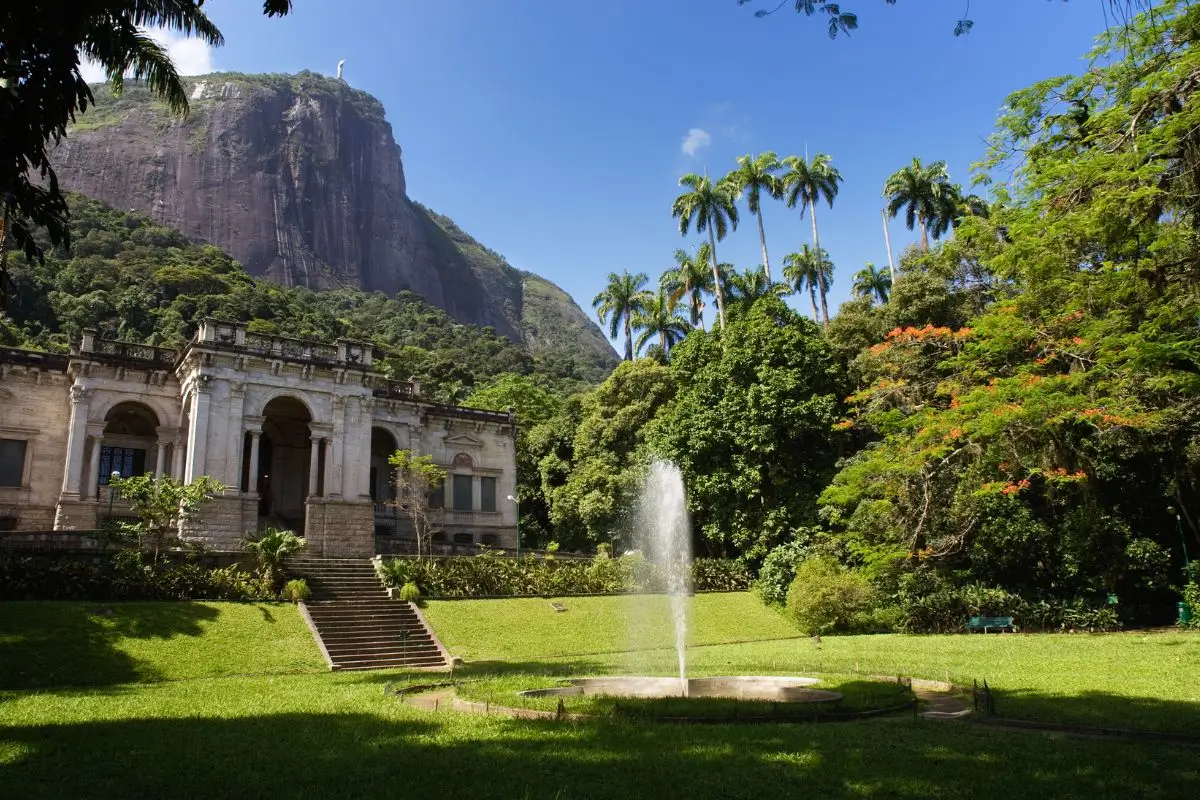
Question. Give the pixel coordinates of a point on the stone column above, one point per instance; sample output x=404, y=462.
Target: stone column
x=252, y=480
x=177, y=455
x=197, y=446
x=328, y=488
x=164, y=440
x=91, y=481
x=76, y=438
x=313, y=463
x=476, y=494
x=335, y=447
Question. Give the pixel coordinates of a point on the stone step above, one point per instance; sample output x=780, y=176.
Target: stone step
x=346, y=623
x=373, y=632
x=374, y=639
x=389, y=663
x=380, y=648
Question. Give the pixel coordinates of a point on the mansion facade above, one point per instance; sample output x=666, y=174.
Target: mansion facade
x=298, y=432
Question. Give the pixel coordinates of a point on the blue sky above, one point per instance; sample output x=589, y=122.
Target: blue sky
x=554, y=132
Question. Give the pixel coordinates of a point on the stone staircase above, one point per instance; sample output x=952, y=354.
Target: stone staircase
x=356, y=624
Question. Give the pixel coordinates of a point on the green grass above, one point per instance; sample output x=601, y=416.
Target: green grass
x=1146, y=681
x=334, y=736
x=82, y=644
x=212, y=700
x=529, y=628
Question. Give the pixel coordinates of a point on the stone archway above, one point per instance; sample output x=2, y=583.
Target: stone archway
x=284, y=459
x=383, y=445
x=128, y=445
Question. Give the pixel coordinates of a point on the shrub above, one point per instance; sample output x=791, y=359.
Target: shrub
x=1191, y=595
x=296, y=590
x=410, y=593
x=778, y=571
x=825, y=597
x=719, y=575
x=270, y=547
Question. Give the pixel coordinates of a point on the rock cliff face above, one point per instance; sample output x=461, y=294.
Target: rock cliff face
x=300, y=179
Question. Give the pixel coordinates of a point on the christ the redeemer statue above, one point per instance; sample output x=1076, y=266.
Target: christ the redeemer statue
x=340, y=65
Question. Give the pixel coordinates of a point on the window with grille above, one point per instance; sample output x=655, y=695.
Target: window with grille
x=126, y=461
x=487, y=494
x=462, y=493
x=12, y=461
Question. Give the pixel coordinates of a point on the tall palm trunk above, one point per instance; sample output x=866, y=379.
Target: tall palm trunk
x=628, y=335
x=712, y=241
x=762, y=239
x=820, y=279
x=812, y=295
x=698, y=310
x=924, y=233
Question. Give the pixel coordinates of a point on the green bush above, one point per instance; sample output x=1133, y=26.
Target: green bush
x=1191, y=595
x=296, y=590
x=778, y=571
x=125, y=575
x=270, y=547
x=489, y=575
x=410, y=592
x=825, y=597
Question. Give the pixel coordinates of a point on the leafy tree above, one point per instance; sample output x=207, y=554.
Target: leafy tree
x=755, y=176
x=592, y=482
x=416, y=477
x=691, y=278
x=805, y=183
x=748, y=286
x=710, y=208
x=42, y=88
x=926, y=196
x=872, y=282
x=161, y=506
x=623, y=297
x=751, y=426
x=659, y=318
x=809, y=269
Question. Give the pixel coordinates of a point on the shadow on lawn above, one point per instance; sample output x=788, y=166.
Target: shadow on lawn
x=303, y=755
x=1098, y=709
x=74, y=644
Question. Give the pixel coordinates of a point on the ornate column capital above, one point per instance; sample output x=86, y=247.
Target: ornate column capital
x=80, y=394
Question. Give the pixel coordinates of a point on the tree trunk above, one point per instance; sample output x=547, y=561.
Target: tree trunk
x=628, y=337
x=817, y=244
x=812, y=295
x=712, y=241
x=762, y=239
x=924, y=234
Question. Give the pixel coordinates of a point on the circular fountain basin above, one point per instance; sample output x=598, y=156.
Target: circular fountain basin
x=740, y=687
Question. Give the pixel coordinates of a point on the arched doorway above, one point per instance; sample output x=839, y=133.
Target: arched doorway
x=128, y=445
x=283, y=462
x=387, y=516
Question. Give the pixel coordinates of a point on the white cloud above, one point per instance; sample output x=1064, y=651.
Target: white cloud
x=191, y=56
x=696, y=139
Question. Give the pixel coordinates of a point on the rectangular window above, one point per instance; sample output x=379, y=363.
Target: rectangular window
x=12, y=461
x=463, y=501
x=125, y=461
x=487, y=492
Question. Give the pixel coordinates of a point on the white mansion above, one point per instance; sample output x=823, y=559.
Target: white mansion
x=298, y=431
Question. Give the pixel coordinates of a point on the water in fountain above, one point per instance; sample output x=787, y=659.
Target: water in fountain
x=665, y=536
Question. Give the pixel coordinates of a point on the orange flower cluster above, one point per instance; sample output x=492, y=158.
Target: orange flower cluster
x=955, y=433
x=911, y=333
x=1041, y=360
x=1007, y=408
x=1078, y=340
x=1013, y=488
x=954, y=402
x=1074, y=315
x=843, y=424
x=1062, y=474
x=924, y=552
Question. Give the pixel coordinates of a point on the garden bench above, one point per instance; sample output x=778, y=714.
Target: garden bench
x=986, y=624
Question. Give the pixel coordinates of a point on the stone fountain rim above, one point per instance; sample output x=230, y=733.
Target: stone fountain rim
x=803, y=684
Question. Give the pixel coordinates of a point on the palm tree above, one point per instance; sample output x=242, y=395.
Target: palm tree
x=621, y=299
x=923, y=192
x=690, y=278
x=872, y=282
x=810, y=269
x=754, y=176
x=806, y=182
x=659, y=317
x=711, y=208
x=753, y=284
x=953, y=207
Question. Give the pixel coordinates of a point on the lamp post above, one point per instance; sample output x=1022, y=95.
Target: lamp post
x=1182, y=540
x=112, y=477
x=517, y=503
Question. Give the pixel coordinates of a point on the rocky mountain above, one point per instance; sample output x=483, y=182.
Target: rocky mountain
x=300, y=179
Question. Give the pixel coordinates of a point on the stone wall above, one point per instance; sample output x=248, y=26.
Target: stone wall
x=218, y=526
x=336, y=529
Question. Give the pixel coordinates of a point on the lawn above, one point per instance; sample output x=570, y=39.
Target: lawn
x=87, y=644
x=1136, y=680
x=210, y=700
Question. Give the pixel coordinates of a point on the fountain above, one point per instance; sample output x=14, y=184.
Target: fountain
x=665, y=536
